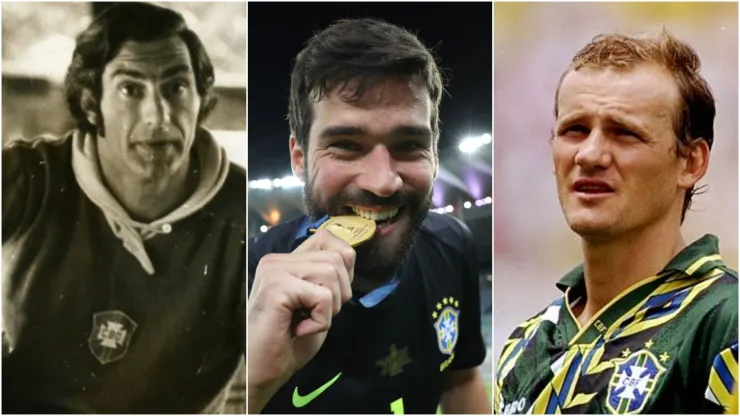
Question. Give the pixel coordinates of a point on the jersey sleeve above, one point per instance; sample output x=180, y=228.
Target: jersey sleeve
x=721, y=384
x=470, y=350
x=18, y=180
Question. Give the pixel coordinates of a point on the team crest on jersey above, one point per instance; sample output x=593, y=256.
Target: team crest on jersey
x=446, y=323
x=110, y=335
x=634, y=379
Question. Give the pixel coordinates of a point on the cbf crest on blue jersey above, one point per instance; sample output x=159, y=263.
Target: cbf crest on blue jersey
x=110, y=335
x=633, y=381
x=446, y=323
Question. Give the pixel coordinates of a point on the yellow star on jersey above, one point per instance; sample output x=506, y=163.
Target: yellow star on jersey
x=649, y=344
x=664, y=357
x=457, y=304
x=439, y=306
x=434, y=315
x=444, y=300
x=626, y=353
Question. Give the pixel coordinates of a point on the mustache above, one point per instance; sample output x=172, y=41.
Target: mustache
x=366, y=198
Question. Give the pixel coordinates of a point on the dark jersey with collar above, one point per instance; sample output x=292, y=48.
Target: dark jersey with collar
x=85, y=328
x=393, y=357
x=668, y=344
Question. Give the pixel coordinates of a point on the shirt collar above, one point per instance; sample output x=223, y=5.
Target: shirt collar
x=696, y=259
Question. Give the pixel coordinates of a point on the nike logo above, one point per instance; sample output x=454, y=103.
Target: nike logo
x=300, y=401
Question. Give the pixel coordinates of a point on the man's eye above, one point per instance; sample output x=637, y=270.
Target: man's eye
x=132, y=90
x=408, y=146
x=178, y=88
x=346, y=146
x=626, y=133
x=575, y=129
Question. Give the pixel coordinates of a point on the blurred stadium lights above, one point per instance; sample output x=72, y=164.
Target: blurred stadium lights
x=443, y=210
x=484, y=201
x=273, y=217
x=471, y=144
x=287, y=182
x=267, y=184
x=467, y=204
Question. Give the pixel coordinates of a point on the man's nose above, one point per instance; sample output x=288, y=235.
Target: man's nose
x=379, y=173
x=594, y=152
x=156, y=112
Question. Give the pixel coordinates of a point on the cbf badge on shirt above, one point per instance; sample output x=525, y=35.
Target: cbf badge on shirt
x=445, y=319
x=110, y=335
x=633, y=381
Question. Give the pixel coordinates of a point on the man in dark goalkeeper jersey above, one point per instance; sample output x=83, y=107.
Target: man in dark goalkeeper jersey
x=394, y=327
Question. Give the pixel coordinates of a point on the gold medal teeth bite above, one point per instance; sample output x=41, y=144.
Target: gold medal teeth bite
x=376, y=216
x=353, y=230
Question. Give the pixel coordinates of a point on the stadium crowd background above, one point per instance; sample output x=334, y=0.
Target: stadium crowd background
x=38, y=41
x=533, y=44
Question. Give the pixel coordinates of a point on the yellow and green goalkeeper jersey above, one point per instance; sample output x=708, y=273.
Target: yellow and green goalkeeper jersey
x=668, y=344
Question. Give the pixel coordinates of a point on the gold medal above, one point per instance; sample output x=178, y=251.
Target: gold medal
x=352, y=229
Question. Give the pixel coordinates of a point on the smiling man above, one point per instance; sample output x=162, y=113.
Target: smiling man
x=123, y=240
x=392, y=326
x=648, y=323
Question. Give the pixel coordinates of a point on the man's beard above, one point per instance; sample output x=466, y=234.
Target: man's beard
x=375, y=262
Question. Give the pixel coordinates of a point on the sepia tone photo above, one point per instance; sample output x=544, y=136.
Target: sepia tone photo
x=123, y=207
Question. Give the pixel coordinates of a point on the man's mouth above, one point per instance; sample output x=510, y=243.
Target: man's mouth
x=155, y=148
x=381, y=216
x=591, y=186
x=156, y=143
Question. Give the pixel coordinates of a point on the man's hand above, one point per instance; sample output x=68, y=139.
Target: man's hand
x=293, y=300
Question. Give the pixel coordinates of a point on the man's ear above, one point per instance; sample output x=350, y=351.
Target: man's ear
x=297, y=157
x=695, y=165
x=90, y=107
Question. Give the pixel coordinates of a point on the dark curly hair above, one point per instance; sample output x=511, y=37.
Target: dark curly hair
x=362, y=51
x=101, y=41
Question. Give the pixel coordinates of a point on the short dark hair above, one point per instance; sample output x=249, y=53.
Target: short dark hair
x=102, y=40
x=361, y=51
x=695, y=116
